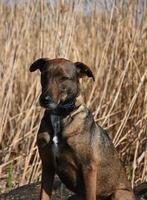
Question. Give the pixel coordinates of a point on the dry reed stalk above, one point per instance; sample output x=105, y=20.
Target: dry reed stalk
x=112, y=42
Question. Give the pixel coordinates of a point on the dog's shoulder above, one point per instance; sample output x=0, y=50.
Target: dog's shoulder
x=103, y=134
x=78, y=121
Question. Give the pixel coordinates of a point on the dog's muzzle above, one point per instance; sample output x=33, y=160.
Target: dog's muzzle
x=58, y=109
x=46, y=102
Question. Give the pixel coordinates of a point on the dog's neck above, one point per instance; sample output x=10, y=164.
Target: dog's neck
x=57, y=121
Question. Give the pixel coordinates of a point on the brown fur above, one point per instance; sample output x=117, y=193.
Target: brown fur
x=85, y=159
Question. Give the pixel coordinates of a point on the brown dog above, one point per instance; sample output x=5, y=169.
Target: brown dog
x=70, y=143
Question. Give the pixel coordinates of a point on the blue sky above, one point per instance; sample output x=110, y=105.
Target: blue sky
x=101, y=4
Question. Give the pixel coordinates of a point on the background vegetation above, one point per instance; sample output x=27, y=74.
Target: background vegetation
x=112, y=41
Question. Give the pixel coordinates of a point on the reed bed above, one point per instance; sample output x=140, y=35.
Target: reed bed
x=113, y=42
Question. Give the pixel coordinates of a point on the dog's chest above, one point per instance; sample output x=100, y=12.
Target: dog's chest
x=68, y=134
x=66, y=165
x=62, y=153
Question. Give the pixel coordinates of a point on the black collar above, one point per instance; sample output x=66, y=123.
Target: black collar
x=63, y=109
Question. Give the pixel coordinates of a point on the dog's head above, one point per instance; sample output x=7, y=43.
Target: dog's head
x=59, y=81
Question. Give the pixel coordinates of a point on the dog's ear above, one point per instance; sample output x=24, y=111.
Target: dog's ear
x=83, y=70
x=40, y=64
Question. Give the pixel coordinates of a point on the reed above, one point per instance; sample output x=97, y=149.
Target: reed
x=112, y=42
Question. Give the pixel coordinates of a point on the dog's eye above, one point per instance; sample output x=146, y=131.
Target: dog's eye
x=62, y=87
x=64, y=78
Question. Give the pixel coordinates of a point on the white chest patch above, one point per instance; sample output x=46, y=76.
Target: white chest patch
x=55, y=140
x=55, y=146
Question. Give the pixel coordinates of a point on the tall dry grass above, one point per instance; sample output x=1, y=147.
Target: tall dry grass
x=113, y=42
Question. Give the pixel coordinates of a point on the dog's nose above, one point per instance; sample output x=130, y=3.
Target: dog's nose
x=47, y=98
x=47, y=102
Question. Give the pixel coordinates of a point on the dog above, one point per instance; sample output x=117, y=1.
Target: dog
x=71, y=144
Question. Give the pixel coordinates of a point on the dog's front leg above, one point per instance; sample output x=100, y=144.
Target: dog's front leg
x=48, y=170
x=90, y=179
x=47, y=181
